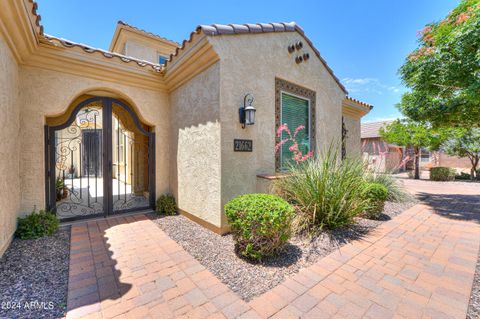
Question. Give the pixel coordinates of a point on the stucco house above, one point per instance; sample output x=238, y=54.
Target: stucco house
x=380, y=155
x=92, y=133
x=385, y=157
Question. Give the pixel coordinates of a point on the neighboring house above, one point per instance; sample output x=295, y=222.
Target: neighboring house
x=387, y=157
x=87, y=132
x=381, y=156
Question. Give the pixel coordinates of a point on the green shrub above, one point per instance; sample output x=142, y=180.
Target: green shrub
x=467, y=176
x=166, y=205
x=442, y=174
x=260, y=224
x=35, y=225
x=326, y=191
x=463, y=176
x=376, y=194
x=396, y=193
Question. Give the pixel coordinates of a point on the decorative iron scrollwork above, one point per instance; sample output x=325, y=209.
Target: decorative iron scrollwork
x=81, y=156
x=78, y=198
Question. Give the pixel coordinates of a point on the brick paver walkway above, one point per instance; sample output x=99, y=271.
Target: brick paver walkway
x=126, y=267
x=419, y=265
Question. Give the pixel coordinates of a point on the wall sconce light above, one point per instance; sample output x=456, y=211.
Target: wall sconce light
x=247, y=112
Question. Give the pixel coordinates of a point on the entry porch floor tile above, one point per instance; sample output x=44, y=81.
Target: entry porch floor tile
x=419, y=265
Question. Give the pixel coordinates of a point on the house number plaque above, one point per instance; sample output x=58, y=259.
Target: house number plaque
x=242, y=145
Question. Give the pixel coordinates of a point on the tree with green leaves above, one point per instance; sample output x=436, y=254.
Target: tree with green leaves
x=413, y=134
x=443, y=73
x=465, y=143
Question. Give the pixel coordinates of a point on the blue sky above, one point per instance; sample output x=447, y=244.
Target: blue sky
x=364, y=42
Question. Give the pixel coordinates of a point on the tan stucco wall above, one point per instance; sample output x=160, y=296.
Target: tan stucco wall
x=9, y=145
x=249, y=64
x=195, y=147
x=453, y=161
x=353, y=144
x=141, y=51
x=48, y=93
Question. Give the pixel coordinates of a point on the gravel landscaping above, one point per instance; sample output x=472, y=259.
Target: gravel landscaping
x=34, y=277
x=248, y=279
x=474, y=305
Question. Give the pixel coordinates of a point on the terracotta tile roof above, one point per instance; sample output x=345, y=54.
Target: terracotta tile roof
x=359, y=102
x=146, y=32
x=209, y=30
x=228, y=29
x=371, y=129
x=219, y=29
x=88, y=49
x=37, y=17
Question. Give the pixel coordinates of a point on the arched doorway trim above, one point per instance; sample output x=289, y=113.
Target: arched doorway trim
x=56, y=153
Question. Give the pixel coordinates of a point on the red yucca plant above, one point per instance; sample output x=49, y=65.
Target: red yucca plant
x=298, y=155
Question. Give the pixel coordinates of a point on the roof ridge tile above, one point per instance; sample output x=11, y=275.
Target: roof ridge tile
x=88, y=49
x=359, y=102
x=223, y=29
x=146, y=32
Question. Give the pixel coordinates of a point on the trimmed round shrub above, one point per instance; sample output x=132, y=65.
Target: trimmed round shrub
x=166, y=205
x=376, y=194
x=36, y=225
x=442, y=174
x=260, y=224
x=396, y=192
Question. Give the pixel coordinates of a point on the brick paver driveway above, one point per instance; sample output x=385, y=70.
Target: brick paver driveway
x=419, y=265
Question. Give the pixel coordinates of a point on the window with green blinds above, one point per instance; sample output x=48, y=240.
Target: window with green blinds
x=294, y=112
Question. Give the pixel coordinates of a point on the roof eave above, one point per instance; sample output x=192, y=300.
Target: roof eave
x=121, y=25
x=356, y=108
x=237, y=29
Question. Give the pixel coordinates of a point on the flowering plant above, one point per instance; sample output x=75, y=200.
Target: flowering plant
x=298, y=155
x=442, y=73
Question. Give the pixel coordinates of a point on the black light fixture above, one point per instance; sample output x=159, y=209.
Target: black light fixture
x=247, y=112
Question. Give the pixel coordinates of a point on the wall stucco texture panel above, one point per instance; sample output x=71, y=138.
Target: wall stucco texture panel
x=196, y=142
x=454, y=161
x=48, y=93
x=353, y=144
x=250, y=64
x=9, y=145
x=141, y=51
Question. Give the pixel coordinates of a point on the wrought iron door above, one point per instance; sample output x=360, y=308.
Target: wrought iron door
x=100, y=161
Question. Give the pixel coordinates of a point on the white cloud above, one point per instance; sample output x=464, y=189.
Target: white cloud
x=372, y=85
x=393, y=89
x=384, y=118
x=359, y=81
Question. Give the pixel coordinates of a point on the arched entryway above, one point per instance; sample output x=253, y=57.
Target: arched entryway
x=100, y=160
